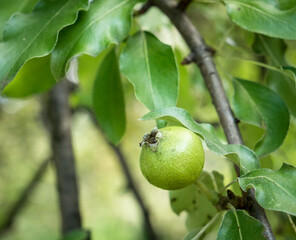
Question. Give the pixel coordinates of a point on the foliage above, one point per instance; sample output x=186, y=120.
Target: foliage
x=39, y=42
x=108, y=89
x=238, y=225
x=259, y=106
x=274, y=190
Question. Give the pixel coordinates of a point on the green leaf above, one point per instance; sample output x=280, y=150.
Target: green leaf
x=199, y=233
x=292, y=71
x=274, y=190
x=203, y=210
x=183, y=199
x=87, y=72
x=283, y=83
x=199, y=209
x=186, y=99
x=251, y=134
x=104, y=23
x=108, y=99
x=34, y=77
x=151, y=67
x=247, y=160
x=258, y=105
x=284, y=87
x=191, y=234
x=35, y=34
x=237, y=225
x=273, y=48
x=264, y=16
x=8, y=8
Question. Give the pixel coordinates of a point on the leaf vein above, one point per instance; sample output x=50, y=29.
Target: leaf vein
x=272, y=181
x=39, y=32
x=263, y=13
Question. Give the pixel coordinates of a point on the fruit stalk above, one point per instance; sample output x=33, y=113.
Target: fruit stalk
x=211, y=195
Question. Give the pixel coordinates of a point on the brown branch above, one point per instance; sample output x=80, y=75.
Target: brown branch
x=236, y=201
x=59, y=116
x=22, y=200
x=212, y=79
x=145, y=7
x=183, y=4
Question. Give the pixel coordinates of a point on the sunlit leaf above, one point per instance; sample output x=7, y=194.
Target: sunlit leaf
x=258, y=105
x=34, y=77
x=151, y=67
x=108, y=99
x=247, y=160
x=104, y=23
x=259, y=16
x=240, y=226
x=35, y=34
x=274, y=190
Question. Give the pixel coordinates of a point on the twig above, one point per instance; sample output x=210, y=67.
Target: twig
x=20, y=203
x=227, y=186
x=145, y=7
x=149, y=230
x=183, y=4
x=212, y=79
x=189, y=59
x=221, y=202
x=211, y=195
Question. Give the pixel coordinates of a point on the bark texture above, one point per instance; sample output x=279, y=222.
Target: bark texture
x=59, y=113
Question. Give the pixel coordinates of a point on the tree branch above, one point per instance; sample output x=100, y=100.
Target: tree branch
x=183, y=4
x=203, y=59
x=145, y=7
x=20, y=203
x=59, y=115
x=151, y=234
x=149, y=230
